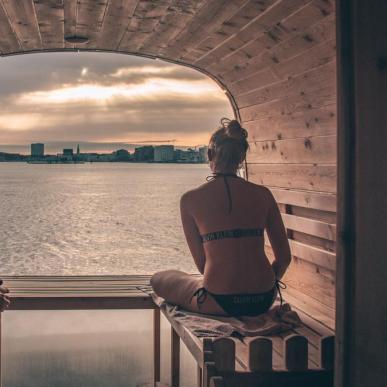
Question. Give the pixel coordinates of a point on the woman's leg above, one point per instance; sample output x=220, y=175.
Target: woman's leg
x=177, y=288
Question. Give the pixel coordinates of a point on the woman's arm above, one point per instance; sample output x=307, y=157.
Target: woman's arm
x=278, y=239
x=192, y=234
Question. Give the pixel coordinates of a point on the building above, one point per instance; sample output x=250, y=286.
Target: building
x=144, y=153
x=121, y=155
x=164, y=153
x=37, y=150
x=68, y=155
x=203, y=154
x=187, y=156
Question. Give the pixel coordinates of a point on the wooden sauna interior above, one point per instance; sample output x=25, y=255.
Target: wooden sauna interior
x=276, y=60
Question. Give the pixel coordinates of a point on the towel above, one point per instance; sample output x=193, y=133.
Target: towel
x=277, y=320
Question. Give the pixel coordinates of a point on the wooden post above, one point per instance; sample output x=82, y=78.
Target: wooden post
x=217, y=381
x=175, y=358
x=209, y=370
x=208, y=358
x=199, y=376
x=327, y=352
x=156, y=346
x=261, y=354
x=224, y=354
x=362, y=191
x=296, y=353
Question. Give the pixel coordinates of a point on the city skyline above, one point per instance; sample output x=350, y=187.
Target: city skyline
x=101, y=98
x=88, y=147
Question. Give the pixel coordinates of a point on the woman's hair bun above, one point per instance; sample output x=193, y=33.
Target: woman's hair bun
x=233, y=129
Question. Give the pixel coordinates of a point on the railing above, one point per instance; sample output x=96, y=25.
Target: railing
x=84, y=293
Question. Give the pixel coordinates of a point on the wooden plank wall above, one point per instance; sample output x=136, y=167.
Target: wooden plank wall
x=277, y=60
x=287, y=100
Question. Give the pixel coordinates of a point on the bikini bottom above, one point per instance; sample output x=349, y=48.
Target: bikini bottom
x=236, y=305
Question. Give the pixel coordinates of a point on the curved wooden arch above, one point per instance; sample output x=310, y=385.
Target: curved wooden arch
x=276, y=61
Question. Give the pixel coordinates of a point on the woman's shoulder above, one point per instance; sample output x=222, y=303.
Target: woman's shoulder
x=188, y=196
x=260, y=189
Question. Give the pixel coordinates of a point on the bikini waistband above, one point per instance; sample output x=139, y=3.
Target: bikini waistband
x=201, y=293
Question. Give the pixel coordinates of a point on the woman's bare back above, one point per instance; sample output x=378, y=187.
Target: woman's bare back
x=233, y=265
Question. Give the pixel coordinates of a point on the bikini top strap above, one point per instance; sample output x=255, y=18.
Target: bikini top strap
x=280, y=285
x=228, y=190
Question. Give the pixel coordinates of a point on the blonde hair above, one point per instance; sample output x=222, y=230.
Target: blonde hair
x=229, y=144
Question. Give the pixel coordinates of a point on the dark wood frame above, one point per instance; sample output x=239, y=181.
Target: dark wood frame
x=362, y=189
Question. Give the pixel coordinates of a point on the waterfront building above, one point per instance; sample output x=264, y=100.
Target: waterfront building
x=121, y=155
x=37, y=150
x=12, y=157
x=203, y=154
x=68, y=154
x=187, y=156
x=144, y=153
x=164, y=153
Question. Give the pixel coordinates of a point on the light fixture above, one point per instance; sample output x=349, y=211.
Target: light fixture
x=74, y=39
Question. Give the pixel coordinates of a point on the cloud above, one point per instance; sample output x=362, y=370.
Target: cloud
x=153, y=88
x=100, y=97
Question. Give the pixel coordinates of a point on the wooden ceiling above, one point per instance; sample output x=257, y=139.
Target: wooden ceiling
x=229, y=39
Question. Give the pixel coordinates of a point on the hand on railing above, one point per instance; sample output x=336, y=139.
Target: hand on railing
x=4, y=299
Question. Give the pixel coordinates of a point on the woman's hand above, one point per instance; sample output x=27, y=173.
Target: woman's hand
x=4, y=299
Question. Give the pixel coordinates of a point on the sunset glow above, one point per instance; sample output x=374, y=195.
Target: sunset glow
x=97, y=98
x=151, y=89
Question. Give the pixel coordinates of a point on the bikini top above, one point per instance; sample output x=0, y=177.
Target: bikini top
x=234, y=233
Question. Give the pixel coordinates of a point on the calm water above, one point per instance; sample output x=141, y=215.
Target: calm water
x=101, y=218
x=97, y=218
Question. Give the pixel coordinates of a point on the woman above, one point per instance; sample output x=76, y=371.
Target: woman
x=223, y=221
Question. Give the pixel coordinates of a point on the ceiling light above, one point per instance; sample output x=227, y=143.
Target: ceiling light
x=73, y=39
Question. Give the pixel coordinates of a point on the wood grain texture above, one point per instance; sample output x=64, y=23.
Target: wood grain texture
x=225, y=40
x=175, y=20
x=22, y=16
x=70, y=19
x=9, y=41
x=307, y=83
x=307, y=150
x=115, y=23
x=305, y=199
x=208, y=19
x=310, y=226
x=52, y=32
x=89, y=18
x=305, y=177
x=147, y=15
x=287, y=106
x=271, y=51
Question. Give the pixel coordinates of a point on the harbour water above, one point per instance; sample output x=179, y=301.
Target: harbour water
x=100, y=218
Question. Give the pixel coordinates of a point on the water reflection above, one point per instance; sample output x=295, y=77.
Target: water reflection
x=85, y=348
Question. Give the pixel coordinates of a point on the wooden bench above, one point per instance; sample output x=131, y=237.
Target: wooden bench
x=301, y=357
x=85, y=293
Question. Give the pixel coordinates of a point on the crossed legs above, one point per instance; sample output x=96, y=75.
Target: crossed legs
x=177, y=288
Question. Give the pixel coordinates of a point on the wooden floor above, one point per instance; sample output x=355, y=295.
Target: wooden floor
x=79, y=292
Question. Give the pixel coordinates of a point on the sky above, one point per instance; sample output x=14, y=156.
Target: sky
x=104, y=101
